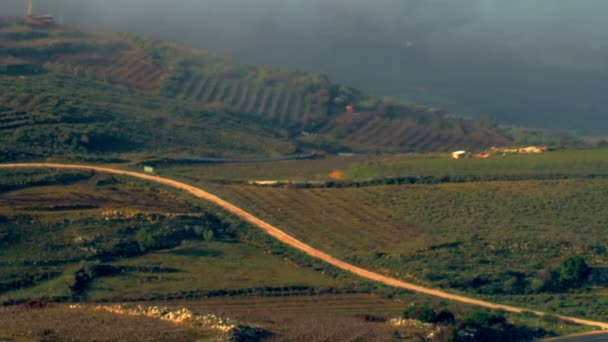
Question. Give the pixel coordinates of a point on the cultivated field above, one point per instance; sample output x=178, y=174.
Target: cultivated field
x=415, y=131
x=489, y=238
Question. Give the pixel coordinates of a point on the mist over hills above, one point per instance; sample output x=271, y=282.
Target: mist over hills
x=539, y=63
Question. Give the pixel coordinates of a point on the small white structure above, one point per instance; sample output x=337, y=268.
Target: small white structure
x=459, y=154
x=266, y=182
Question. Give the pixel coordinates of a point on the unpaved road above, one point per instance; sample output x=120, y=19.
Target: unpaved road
x=598, y=336
x=293, y=242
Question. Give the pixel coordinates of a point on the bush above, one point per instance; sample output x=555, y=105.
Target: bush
x=514, y=285
x=208, y=235
x=79, y=281
x=147, y=240
x=537, y=285
x=573, y=271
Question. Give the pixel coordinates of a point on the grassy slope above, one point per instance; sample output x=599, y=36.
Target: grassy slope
x=243, y=102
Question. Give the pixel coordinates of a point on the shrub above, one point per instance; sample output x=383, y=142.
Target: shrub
x=537, y=285
x=514, y=285
x=147, y=240
x=573, y=271
x=208, y=235
x=79, y=281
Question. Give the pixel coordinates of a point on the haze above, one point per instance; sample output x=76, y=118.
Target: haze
x=535, y=63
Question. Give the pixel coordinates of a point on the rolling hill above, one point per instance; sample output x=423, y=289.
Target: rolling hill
x=67, y=92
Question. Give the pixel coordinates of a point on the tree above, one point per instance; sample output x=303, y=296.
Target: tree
x=573, y=270
x=537, y=285
x=147, y=240
x=208, y=235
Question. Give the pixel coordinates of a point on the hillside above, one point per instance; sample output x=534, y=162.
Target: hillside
x=76, y=93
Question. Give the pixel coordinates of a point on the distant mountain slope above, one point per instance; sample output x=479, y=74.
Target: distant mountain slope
x=62, y=86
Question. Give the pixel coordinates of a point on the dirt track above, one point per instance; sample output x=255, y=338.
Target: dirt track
x=293, y=242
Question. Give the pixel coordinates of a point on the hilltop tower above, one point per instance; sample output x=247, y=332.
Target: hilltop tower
x=37, y=20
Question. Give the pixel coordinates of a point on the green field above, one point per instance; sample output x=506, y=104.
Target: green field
x=294, y=170
x=206, y=267
x=571, y=162
x=437, y=167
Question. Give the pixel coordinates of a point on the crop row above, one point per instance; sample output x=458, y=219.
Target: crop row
x=340, y=220
x=129, y=69
x=440, y=134
x=277, y=104
x=16, y=110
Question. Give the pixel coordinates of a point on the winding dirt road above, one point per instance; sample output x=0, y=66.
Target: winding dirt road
x=295, y=243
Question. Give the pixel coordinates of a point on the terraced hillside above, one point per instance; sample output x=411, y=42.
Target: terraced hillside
x=307, y=109
x=413, y=130
x=124, y=68
x=278, y=104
